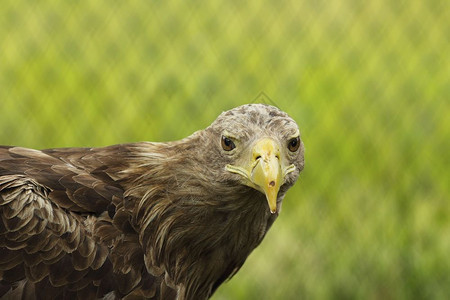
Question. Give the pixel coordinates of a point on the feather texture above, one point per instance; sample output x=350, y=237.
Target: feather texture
x=135, y=221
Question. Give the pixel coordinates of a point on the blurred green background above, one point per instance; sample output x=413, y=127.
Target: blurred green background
x=367, y=81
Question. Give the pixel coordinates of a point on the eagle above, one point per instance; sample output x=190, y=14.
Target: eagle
x=144, y=220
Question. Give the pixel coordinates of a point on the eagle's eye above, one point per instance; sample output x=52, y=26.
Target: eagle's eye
x=227, y=144
x=294, y=144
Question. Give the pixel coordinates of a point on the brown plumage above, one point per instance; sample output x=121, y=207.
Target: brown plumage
x=144, y=220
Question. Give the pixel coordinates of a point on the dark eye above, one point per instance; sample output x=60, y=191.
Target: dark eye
x=227, y=144
x=294, y=144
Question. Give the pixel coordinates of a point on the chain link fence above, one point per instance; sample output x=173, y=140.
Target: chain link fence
x=367, y=81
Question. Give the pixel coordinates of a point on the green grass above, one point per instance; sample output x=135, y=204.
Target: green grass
x=368, y=83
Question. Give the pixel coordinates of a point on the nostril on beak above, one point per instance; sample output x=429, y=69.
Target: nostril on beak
x=258, y=157
x=272, y=183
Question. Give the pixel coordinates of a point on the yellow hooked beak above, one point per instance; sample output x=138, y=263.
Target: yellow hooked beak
x=265, y=170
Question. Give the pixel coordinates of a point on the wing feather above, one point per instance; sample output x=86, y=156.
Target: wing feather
x=57, y=229
x=39, y=239
x=65, y=174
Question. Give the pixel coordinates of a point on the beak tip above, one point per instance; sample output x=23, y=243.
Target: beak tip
x=273, y=208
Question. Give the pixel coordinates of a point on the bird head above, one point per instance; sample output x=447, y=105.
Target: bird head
x=258, y=146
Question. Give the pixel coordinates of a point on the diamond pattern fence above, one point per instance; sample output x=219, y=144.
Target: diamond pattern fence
x=368, y=82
